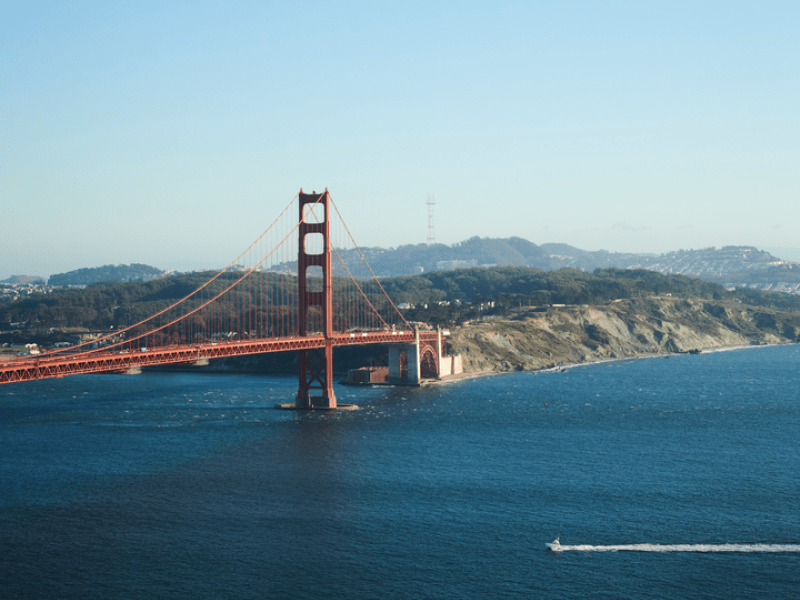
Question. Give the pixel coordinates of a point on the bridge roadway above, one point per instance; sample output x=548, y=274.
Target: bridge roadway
x=98, y=361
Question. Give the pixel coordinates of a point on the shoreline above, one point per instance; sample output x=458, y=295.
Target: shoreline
x=566, y=366
x=466, y=375
x=626, y=329
x=587, y=363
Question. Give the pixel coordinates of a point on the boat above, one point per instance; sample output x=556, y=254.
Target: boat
x=554, y=546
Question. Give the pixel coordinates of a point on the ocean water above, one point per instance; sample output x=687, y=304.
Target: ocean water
x=663, y=478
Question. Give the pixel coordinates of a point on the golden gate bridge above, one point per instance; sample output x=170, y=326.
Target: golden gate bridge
x=303, y=285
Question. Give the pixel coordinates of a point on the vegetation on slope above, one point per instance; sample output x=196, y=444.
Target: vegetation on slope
x=440, y=298
x=87, y=276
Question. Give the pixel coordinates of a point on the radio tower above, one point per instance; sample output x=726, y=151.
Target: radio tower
x=431, y=231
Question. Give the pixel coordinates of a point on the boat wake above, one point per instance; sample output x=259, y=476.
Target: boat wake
x=558, y=547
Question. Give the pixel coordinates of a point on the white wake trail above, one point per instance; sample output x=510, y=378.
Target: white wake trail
x=684, y=548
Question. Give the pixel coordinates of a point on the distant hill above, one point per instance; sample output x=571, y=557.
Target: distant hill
x=133, y=272
x=476, y=252
x=732, y=266
x=18, y=279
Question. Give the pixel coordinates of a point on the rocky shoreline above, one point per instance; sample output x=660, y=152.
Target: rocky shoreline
x=531, y=339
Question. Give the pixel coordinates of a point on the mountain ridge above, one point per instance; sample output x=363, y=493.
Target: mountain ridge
x=732, y=266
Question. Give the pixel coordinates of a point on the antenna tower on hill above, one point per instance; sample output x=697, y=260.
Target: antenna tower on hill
x=431, y=231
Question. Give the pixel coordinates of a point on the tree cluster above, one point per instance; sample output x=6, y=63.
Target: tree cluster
x=450, y=296
x=87, y=276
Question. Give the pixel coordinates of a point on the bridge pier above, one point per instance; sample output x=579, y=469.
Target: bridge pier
x=412, y=371
x=316, y=373
x=410, y=363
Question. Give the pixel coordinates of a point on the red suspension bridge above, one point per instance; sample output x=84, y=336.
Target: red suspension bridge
x=302, y=285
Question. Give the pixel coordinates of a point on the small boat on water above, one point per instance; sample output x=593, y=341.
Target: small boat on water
x=554, y=546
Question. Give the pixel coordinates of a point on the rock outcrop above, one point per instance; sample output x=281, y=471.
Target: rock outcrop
x=530, y=339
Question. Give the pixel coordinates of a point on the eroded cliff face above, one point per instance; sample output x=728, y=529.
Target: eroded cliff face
x=530, y=340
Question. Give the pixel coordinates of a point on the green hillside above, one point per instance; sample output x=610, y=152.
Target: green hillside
x=438, y=297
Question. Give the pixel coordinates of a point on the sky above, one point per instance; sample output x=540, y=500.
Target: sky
x=173, y=133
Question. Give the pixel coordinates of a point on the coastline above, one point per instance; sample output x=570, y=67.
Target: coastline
x=575, y=335
x=561, y=368
x=665, y=355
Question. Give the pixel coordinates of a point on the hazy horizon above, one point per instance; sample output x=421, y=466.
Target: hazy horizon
x=786, y=254
x=172, y=134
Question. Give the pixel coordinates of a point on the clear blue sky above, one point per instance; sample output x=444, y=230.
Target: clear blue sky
x=172, y=133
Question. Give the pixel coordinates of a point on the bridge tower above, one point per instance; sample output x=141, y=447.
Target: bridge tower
x=316, y=364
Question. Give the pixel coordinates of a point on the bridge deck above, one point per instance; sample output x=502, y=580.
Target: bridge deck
x=98, y=361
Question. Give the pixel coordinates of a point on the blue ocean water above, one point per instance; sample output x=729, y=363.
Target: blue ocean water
x=664, y=478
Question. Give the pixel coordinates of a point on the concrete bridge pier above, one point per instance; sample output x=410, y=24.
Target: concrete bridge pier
x=413, y=374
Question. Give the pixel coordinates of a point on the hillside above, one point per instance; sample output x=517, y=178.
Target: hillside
x=530, y=340
x=87, y=276
x=732, y=266
x=502, y=318
x=515, y=287
x=22, y=280
x=440, y=298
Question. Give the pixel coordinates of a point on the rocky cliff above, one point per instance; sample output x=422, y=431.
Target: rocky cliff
x=530, y=339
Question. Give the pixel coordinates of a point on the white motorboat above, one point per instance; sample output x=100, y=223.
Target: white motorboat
x=555, y=545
